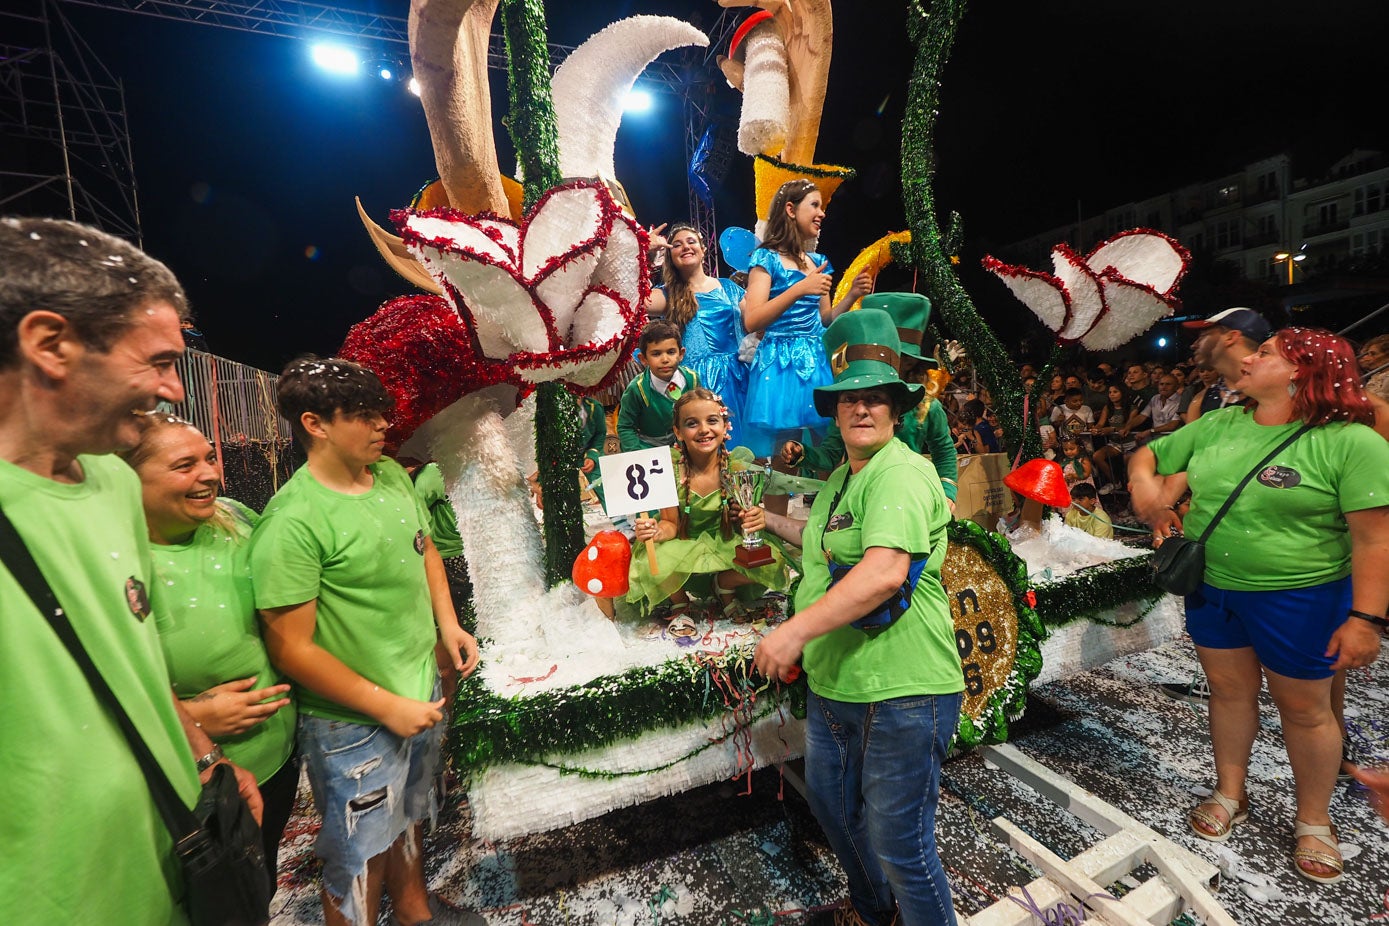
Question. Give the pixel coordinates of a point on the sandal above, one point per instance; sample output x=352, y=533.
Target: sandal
x=1318, y=856
x=667, y=611
x=1236, y=812
x=733, y=609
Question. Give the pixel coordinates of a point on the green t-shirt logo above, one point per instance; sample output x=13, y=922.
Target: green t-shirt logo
x=1279, y=477
x=137, y=598
x=419, y=542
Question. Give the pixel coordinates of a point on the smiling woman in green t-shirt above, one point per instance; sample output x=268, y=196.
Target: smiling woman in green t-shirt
x=205, y=613
x=1296, y=572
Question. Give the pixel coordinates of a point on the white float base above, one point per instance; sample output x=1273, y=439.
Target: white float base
x=514, y=800
x=1087, y=644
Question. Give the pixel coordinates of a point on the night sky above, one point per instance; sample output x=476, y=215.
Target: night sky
x=248, y=157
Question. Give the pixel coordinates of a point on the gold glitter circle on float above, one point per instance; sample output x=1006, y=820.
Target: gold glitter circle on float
x=986, y=624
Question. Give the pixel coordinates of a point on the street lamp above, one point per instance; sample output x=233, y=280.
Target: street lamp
x=1291, y=258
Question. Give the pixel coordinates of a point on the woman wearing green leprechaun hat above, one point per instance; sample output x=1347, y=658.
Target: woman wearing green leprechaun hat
x=926, y=429
x=874, y=634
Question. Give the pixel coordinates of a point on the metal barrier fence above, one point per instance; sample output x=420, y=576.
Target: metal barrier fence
x=229, y=401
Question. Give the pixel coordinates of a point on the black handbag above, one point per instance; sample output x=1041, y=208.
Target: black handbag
x=218, y=843
x=1179, y=565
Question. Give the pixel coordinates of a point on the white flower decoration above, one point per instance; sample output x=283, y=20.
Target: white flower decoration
x=555, y=297
x=1107, y=298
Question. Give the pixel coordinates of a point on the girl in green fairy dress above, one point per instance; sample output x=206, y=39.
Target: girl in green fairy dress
x=697, y=539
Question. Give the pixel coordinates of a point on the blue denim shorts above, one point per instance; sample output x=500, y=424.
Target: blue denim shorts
x=1289, y=629
x=370, y=786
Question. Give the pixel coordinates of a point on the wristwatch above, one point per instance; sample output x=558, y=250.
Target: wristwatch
x=211, y=759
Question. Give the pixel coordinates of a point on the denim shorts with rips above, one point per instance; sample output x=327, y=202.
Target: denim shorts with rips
x=370, y=786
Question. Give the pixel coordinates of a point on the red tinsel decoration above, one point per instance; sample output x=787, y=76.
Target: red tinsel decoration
x=425, y=357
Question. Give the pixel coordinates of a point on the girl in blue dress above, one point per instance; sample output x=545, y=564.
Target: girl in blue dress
x=709, y=310
x=788, y=300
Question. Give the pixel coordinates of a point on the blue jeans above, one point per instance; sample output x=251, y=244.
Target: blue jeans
x=873, y=776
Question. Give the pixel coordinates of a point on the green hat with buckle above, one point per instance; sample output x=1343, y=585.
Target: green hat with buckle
x=864, y=352
x=910, y=312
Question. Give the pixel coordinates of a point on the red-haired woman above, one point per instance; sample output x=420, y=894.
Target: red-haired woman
x=1297, y=571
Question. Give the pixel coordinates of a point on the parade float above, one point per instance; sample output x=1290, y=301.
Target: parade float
x=530, y=293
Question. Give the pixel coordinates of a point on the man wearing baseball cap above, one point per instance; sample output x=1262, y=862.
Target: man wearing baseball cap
x=1225, y=339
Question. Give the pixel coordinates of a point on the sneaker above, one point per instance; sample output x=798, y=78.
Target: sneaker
x=1197, y=691
x=846, y=915
x=443, y=913
x=1107, y=489
x=1349, y=756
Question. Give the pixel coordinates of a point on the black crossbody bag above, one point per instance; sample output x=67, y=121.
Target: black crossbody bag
x=1179, y=565
x=895, y=604
x=218, y=843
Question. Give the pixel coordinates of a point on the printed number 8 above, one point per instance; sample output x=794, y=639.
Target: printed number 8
x=636, y=482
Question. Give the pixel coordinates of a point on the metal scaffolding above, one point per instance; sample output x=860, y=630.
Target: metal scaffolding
x=66, y=148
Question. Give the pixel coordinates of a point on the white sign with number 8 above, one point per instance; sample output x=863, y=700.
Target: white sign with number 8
x=641, y=480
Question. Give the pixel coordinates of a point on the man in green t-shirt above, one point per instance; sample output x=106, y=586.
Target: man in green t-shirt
x=89, y=332
x=354, y=596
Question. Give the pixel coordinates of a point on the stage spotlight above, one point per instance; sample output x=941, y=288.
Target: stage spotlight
x=386, y=74
x=1162, y=342
x=335, y=58
x=637, y=101
x=414, y=86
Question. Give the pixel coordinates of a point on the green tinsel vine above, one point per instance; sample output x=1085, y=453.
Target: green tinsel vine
x=557, y=456
x=1086, y=594
x=532, y=126
x=532, y=110
x=489, y=730
x=933, y=33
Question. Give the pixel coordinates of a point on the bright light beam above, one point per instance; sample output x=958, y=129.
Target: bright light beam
x=335, y=59
x=637, y=101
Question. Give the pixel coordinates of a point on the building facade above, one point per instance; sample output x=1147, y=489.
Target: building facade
x=1271, y=226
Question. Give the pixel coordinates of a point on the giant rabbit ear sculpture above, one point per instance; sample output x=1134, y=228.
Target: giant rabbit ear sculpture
x=517, y=301
x=448, y=51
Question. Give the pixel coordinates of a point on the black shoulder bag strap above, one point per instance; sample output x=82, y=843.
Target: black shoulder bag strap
x=16, y=557
x=1206, y=534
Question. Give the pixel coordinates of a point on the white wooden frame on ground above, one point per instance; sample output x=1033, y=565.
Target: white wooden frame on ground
x=1184, y=881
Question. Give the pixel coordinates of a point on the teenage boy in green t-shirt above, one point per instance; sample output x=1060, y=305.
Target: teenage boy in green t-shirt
x=353, y=596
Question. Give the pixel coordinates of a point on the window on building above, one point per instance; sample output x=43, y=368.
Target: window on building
x=1372, y=198
x=1326, y=214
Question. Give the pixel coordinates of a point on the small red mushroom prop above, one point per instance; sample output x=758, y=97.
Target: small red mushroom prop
x=601, y=567
x=1040, y=482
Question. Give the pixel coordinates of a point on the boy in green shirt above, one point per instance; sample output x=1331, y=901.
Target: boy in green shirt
x=351, y=589
x=646, y=410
